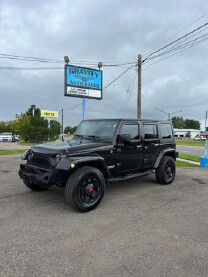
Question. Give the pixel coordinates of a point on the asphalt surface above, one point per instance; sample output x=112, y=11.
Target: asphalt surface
x=140, y=228
x=191, y=150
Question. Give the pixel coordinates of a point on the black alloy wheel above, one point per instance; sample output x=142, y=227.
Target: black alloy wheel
x=165, y=173
x=90, y=190
x=85, y=189
x=169, y=172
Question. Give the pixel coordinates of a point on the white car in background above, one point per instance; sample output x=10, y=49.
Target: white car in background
x=7, y=137
x=197, y=137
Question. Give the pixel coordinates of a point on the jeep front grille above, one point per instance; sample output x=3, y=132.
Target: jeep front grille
x=40, y=161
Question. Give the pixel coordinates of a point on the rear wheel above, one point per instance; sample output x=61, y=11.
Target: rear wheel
x=33, y=186
x=85, y=189
x=165, y=173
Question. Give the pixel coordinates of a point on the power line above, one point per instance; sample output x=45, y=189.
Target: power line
x=118, y=77
x=127, y=102
x=172, y=55
x=15, y=57
x=179, y=32
x=175, y=41
x=29, y=68
x=182, y=46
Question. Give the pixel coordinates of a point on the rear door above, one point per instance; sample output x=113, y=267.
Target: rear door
x=129, y=154
x=151, y=143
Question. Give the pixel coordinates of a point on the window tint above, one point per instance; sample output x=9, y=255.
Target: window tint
x=150, y=131
x=131, y=129
x=166, y=131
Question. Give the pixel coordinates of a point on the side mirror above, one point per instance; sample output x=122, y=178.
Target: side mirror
x=124, y=138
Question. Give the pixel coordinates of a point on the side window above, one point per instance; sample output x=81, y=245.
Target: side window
x=131, y=129
x=166, y=131
x=150, y=131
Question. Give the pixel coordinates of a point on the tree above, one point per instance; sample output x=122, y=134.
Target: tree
x=178, y=122
x=69, y=129
x=37, y=129
x=192, y=124
x=54, y=129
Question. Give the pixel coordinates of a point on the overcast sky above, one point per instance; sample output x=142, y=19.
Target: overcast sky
x=107, y=31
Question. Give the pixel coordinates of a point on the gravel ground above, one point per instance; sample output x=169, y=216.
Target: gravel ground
x=12, y=145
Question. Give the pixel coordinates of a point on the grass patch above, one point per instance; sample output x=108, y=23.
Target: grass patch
x=189, y=157
x=185, y=164
x=11, y=152
x=190, y=142
x=28, y=143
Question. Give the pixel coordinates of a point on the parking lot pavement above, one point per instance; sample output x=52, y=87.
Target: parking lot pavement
x=12, y=146
x=140, y=228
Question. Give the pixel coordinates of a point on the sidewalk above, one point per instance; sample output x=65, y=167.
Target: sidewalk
x=188, y=161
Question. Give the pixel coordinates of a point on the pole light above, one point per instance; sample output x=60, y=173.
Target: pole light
x=66, y=59
x=169, y=115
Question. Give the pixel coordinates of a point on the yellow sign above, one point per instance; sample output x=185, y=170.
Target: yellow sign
x=50, y=114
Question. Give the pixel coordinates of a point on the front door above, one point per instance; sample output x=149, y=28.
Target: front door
x=129, y=154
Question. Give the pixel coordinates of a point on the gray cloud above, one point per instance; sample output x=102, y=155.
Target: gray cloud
x=106, y=31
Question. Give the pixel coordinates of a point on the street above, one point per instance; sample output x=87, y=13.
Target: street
x=191, y=150
x=140, y=228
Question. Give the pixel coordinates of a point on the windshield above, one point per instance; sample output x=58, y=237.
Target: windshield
x=103, y=129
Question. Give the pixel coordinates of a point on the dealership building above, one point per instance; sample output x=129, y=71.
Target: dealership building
x=183, y=133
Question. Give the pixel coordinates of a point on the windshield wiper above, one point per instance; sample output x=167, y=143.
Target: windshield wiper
x=94, y=137
x=79, y=136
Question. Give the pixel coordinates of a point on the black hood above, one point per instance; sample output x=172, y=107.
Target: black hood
x=72, y=146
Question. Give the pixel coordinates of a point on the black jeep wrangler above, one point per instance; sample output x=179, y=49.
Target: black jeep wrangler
x=100, y=152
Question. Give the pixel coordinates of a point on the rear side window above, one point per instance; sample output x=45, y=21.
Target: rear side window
x=130, y=129
x=150, y=131
x=166, y=131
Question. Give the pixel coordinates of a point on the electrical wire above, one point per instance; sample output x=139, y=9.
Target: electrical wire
x=171, y=43
x=171, y=55
x=118, y=77
x=127, y=102
x=178, y=32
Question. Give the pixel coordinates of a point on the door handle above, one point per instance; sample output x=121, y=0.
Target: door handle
x=139, y=146
x=156, y=144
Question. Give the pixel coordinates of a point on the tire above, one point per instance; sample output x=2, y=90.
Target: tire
x=165, y=173
x=34, y=186
x=85, y=189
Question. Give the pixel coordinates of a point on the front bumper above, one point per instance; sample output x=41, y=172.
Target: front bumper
x=41, y=177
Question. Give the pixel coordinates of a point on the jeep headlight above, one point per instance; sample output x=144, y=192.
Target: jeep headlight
x=58, y=157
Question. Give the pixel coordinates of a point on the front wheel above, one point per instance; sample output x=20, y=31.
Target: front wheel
x=165, y=173
x=85, y=189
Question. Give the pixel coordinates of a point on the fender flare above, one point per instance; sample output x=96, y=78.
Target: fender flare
x=161, y=154
x=71, y=163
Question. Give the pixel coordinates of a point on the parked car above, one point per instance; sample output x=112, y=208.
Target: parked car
x=16, y=137
x=197, y=137
x=7, y=137
x=100, y=152
x=203, y=138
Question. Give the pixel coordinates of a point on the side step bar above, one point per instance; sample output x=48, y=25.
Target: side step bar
x=128, y=177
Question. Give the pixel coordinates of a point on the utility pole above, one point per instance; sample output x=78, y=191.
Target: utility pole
x=205, y=122
x=62, y=124
x=139, y=87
